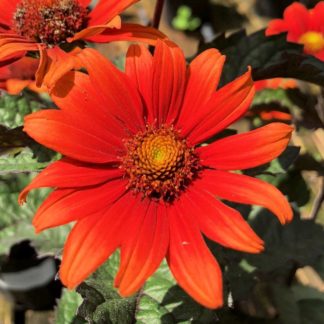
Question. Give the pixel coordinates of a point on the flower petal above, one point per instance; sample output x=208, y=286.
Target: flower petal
x=169, y=78
x=8, y=7
x=191, y=262
x=84, y=3
x=66, y=205
x=139, y=62
x=54, y=64
x=122, y=95
x=203, y=76
x=76, y=137
x=92, y=240
x=225, y=106
x=296, y=17
x=219, y=222
x=92, y=31
x=276, y=26
x=143, y=248
x=316, y=17
x=67, y=173
x=105, y=10
x=127, y=32
x=15, y=86
x=247, y=190
x=75, y=93
x=16, y=48
x=247, y=150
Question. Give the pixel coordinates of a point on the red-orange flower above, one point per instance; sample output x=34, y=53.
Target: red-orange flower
x=18, y=75
x=135, y=176
x=38, y=25
x=303, y=26
x=275, y=83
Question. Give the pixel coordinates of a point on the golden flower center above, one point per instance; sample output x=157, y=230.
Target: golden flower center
x=159, y=163
x=313, y=41
x=49, y=21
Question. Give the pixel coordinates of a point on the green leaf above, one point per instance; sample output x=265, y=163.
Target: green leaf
x=15, y=220
x=269, y=57
x=102, y=303
x=12, y=140
x=67, y=307
x=287, y=247
x=311, y=311
x=14, y=108
x=286, y=304
x=24, y=162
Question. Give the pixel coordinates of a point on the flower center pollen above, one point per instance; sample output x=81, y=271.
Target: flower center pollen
x=313, y=41
x=159, y=163
x=49, y=21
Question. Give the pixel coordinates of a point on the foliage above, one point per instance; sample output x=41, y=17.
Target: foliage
x=269, y=57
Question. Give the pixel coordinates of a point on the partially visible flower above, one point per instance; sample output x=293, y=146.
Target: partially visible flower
x=270, y=113
x=303, y=26
x=136, y=177
x=43, y=25
x=275, y=83
x=19, y=75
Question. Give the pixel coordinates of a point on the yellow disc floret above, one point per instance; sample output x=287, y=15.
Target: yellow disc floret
x=313, y=41
x=159, y=163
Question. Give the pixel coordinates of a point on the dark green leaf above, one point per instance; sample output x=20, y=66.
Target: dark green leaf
x=101, y=302
x=286, y=247
x=269, y=57
x=312, y=311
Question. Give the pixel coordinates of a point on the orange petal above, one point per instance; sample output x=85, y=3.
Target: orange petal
x=224, y=107
x=139, y=62
x=203, y=77
x=54, y=64
x=67, y=173
x=72, y=135
x=124, y=100
x=219, y=222
x=91, y=31
x=247, y=150
x=14, y=49
x=92, y=240
x=276, y=26
x=247, y=190
x=15, y=86
x=75, y=93
x=105, y=11
x=129, y=32
x=143, y=248
x=169, y=81
x=191, y=262
x=8, y=7
x=66, y=205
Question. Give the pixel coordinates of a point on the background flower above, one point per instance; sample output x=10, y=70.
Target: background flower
x=302, y=26
x=18, y=75
x=44, y=25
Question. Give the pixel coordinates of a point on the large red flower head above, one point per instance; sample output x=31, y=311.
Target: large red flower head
x=18, y=75
x=303, y=26
x=136, y=175
x=35, y=25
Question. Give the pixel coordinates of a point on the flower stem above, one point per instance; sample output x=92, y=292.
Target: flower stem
x=157, y=13
x=156, y=19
